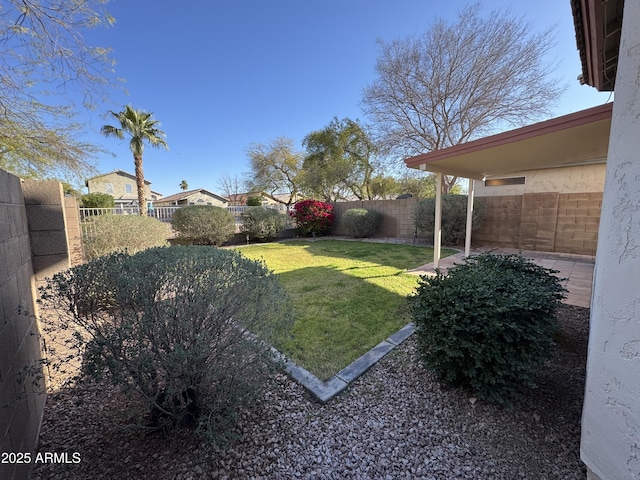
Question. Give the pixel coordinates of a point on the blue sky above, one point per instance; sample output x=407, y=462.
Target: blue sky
x=222, y=74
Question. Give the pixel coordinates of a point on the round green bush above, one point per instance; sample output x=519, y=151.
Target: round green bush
x=203, y=225
x=487, y=324
x=97, y=200
x=454, y=217
x=104, y=234
x=184, y=331
x=262, y=223
x=360, y=222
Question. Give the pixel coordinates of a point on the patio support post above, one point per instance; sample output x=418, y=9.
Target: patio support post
x=437, y=227
x=467, y=236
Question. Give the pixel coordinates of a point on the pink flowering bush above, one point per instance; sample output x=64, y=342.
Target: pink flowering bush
x=312, y=216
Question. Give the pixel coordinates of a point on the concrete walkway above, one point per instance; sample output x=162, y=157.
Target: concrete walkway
x=576, y=269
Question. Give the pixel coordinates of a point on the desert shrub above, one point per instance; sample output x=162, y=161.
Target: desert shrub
x=97, y=200
x=487, y=324
x=312, y=216
x=262, y=223
x=360, y=222
x=454, y=217
x=184, y=331
x=104, y=234
x=203, y=225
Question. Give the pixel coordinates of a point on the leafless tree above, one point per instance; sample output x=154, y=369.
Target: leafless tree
x=231, y=185
x=44, y=53
x=460, y=81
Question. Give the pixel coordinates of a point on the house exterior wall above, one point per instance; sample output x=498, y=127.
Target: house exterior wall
x=610, y=445
x=118, y=182
x=576, y=179
x=202, y=198
x=21, y=405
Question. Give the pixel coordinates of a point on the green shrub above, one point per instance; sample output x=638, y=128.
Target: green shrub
x=254, y=201
x=104, y=234
x=360, y=222
x=488, y=324
x=454, y=217
x=203, y=225
x=97, y=200
x=184, y=331
x=262, y=223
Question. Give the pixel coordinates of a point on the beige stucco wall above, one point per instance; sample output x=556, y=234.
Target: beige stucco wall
x=99, y=185
x=577, y=179
x=201, y=198
x=610, y=444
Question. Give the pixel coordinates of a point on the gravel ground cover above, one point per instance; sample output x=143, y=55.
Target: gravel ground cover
x=395, y=422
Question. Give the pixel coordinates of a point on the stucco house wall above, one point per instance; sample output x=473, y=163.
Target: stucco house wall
x=573, y=179
x=611, y=413
x=121, y=185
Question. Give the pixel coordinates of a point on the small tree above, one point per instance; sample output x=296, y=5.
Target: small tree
x=313, y=217
x=254, y=201
x=184, y=185
x=141, y=127
x=97, y=200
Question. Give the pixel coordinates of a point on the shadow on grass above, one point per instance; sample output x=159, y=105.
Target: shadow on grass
x=394, y=255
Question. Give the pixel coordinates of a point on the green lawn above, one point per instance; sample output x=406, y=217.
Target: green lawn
x=348, y=296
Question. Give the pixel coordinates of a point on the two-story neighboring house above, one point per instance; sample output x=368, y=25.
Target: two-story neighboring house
x=122, y=186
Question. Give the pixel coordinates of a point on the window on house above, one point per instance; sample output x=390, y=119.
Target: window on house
x=496, y=182
x=128, y=188
x=108, y=187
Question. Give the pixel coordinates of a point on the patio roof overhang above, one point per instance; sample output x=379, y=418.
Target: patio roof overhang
x=579, y=138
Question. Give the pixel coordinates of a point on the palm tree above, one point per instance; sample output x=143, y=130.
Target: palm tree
x=184, y=185
x=141, y=126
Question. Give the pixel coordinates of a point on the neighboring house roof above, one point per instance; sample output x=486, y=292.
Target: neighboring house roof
x=176, y=197
x=575, y=139
x=156, y=193
x=122, y=173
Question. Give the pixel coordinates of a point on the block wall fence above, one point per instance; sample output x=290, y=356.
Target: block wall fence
x=547, y=222
x=34, y=244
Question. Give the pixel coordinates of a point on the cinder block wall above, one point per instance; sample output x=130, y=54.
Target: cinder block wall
x=45, y=205
x=396, y=216
x=74, y=231
x=548, y=222
x=21, y=405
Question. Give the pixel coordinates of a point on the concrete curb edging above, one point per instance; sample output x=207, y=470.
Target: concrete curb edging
x=326, y=390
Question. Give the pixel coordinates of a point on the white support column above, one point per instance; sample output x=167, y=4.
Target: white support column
x=467, y=235
x=437, y=227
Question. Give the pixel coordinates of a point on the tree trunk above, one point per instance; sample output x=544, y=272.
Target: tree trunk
x=142, y=198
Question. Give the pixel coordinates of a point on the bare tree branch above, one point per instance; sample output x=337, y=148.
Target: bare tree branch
x=459, y=81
